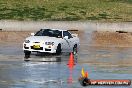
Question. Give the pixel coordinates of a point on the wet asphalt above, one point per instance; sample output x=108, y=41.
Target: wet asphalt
x=51, y=71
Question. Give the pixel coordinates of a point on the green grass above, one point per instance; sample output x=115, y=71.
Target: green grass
x=66, y=10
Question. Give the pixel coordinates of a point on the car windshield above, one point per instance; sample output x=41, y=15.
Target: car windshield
x=49, y=32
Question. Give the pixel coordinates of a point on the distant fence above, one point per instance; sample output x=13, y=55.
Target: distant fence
x=9, y=25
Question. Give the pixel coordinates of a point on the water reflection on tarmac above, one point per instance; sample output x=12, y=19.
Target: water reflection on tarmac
x=51, y=71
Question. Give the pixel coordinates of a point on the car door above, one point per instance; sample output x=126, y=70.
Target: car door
x=67, y=37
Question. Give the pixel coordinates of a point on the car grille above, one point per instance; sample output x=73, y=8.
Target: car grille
x=41, y=48
x=36, y=42
x=47, y=49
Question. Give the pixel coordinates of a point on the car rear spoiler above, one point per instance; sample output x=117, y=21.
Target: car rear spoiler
x=72, y=30
x=74, y=35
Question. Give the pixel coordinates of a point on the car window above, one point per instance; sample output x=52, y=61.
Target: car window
x=60, y=34
x=50, y=33
x=66, y=33
x=39, y=33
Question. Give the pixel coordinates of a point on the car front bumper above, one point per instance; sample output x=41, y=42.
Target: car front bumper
x=42, y=48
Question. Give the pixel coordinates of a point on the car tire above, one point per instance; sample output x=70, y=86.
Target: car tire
x=75, y=49
x=58, y=50
x=27, y=54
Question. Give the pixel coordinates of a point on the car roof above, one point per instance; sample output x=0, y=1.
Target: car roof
x=55, y=29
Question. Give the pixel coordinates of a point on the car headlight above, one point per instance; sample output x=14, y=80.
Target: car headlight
x=49, y=43
x=27, y=41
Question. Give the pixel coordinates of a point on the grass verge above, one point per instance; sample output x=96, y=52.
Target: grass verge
x=66, y=10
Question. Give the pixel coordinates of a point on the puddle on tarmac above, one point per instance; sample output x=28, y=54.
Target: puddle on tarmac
x=101, y=62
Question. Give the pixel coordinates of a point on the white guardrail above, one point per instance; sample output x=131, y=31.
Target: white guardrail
x=9, y=25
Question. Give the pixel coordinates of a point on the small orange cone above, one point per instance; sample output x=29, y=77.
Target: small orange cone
x=84, y=74
x=71, y=60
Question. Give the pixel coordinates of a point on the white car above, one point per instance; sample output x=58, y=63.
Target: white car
x=51, y=41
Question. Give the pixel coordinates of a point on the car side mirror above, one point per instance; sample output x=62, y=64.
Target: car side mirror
x=66, y=37
x=32, y=34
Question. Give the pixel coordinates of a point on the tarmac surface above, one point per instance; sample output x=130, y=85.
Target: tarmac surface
x=105, y=55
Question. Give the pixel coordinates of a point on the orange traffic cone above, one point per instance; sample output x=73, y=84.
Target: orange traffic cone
x=71, y=60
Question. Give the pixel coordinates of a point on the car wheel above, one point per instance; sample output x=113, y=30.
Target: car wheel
x=27, y=54
x=75, y=49
x=58, y=51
